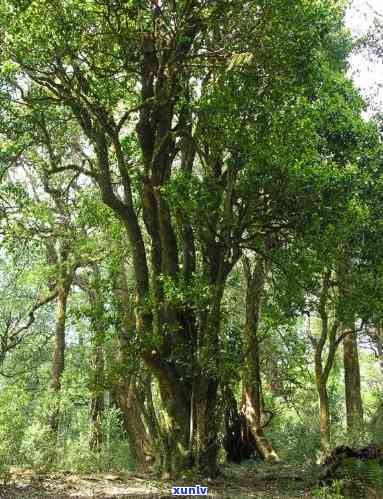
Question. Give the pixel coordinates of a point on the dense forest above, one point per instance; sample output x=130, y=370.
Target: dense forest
x=191, y=257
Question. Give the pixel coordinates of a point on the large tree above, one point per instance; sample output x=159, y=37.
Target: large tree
x=196, y=121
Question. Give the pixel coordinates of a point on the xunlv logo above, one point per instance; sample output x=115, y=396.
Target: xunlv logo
x=190, y=491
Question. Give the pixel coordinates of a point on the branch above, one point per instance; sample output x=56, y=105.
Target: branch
x=313, y=341
x=342, y=336
x=332, y=350
x=72, y=167
x=31, y=314
x=135, y=109
x=271, y=415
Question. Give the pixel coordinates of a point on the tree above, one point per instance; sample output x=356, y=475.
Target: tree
x=354, y=404
x=252, y=390
x=191, y=119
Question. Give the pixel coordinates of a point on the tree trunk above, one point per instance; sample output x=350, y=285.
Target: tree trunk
x=205, y=377
x=97, y=402
x=274, y=377
x=206, y=427
x=323, y=366
x=97, y=384
x=252, y=385
x=239, y=442
x=377, y=338
x=58, y=359
x=175, y=397
x=324, y=417
x=354, y=405
x=132, y=389
x=131, y=400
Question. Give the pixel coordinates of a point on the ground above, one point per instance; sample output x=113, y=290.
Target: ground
x=246, y=481
x=236, y=481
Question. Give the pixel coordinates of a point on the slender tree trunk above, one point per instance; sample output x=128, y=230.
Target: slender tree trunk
x=377, y=419
x=328, y=337
x=377, y=338
x=380, y=353
x=58, y=359
x=354, y=405
x=324, y=417
x=353, y=397
x=321, y=378
x=97, y=384
x=274, y=378
x=252, y=387
x=97, y=402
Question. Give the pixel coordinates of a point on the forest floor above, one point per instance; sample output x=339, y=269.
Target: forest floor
x=236, y=481
x=255, y=480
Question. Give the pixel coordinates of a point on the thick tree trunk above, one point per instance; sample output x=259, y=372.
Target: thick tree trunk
x=321, y=378
x=175, y=397
x=205, y=378
x=239, y=442
x=252, y=387
x=168, y=327
x=252, y=415
x=354, y=405
x=131, y=401
x=206, y=427
x=188, y=394
x=132, y=390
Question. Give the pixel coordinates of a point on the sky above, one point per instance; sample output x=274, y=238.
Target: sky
x=367, y=74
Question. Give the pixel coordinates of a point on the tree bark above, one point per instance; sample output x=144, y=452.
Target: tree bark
x=324, y=417
x=252, y=384
x=275, y=380
x=58, y=358
x=354, y=404
x=132, y=385
x=97, y=385
x=377, y=338
x=239, y=442
x=131, y=401
x=328, y=337
x=97, y=404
